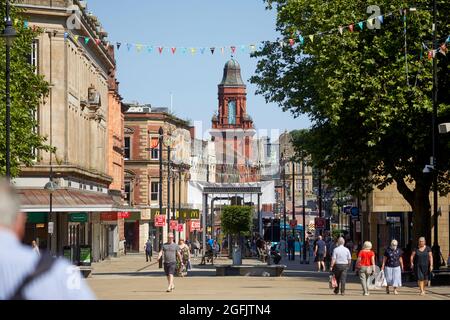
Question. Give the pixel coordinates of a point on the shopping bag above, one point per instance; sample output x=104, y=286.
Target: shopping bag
x=330, y=281
x=334, y=282
x=380, y=280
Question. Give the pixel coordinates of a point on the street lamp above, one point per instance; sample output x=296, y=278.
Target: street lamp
x=9, y=34
x=50, y=187
x=160, y=141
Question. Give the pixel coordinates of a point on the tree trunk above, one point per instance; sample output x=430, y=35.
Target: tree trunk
x=419, y=200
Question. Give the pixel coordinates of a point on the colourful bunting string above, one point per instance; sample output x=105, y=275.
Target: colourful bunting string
x=118, y=45
x=174, y=49
x=233, y=49
x=86, y=40
x=212, y=50
x=160, y=49
x=350, y=27
x=75, y=38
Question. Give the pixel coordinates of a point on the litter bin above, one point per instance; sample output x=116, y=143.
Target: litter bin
x=237, y=257
x=85, y=256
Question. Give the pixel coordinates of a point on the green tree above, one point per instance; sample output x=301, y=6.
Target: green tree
x=237, y=221
x=27, y=92
x=371, y=119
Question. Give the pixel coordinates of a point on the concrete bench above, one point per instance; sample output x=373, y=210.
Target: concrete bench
x=254, y=271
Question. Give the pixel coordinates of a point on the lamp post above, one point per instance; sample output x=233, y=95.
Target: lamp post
x=284, y=198
x=50, y=187
x=435, y=249
x=304, y=211
x=161, y=133
x=293, y=204
x=9, y=34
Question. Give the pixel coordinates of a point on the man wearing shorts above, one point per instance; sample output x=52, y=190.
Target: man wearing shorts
x=320, y=252
x=169, y=252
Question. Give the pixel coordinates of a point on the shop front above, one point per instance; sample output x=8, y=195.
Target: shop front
x=36, y=229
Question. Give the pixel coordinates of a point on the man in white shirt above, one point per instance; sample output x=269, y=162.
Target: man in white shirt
x=340, y=262
x=23, y=274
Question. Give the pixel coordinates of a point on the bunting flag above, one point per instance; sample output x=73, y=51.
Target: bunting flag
x=75, y=38
x=448, y=39
x=129, y=46
x=291, y=42
x=361, y=25
x=443, y=49
x=350, y=27
x=381, y=19
x=242, y=48
x=222, y=50
x=311, y=36
x=184, y=50
x=341, y=30
x=149, y=49
x=173, y=50
x=193, y=50
x=66, y=35
x=118, y=45
x=233, y=49
x=160, y=49
x=98, y=41
x=212, y=50
x=86, y=40
x=25, y=23
x=252, y=48
x=139, y=47
x=301, y=39
x=202, y=50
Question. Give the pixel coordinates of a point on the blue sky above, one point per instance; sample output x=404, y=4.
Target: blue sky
x=192, y=79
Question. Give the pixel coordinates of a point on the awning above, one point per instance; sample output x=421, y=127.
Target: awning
x=68, y=200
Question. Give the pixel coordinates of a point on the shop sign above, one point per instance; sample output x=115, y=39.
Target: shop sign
x=146, y=214
x=133, y=216
x=173, y=225
x=320, y=223
x=160, y=221
x=124, y=215
x=186, y=214
x=156, y=212
x=195, y=225
x=37, y=217
x=110, y=216
x=78, y=217
x=180, y=228
x=50, y=227
x=85, y=255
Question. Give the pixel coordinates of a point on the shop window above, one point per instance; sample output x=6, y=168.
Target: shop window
x=154, y=194
x=127, y=148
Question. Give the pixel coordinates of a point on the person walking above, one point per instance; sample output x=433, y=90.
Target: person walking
x=35, y=248
x=320, y=251
x=196, y=247
x=169, y=253
x=291, y=248
x=422, y=264
x=366, y=263
x=340, y=262
x=183, y=263
x=148, y=250
x=393, y=266
x=23, y=274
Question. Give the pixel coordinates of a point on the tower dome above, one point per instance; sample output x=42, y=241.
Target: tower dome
x=232, y=74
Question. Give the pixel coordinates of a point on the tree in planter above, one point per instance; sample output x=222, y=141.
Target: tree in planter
x=237, y=221
x=371, y=118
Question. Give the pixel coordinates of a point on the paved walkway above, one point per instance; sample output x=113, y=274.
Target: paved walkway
x=131, y=277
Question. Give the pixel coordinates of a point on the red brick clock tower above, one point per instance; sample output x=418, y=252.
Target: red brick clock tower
x=233, y=130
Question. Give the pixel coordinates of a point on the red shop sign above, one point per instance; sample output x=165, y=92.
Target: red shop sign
x=160, y=221
x=124, y=215
x=180, y=228
x=173, y=225
x=110, y=216
x=195, y=225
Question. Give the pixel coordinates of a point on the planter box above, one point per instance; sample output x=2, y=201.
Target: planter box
x=253, y=271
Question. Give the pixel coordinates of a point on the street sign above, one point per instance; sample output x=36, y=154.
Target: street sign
x=50, y=227
x=320, y=223
x=354, y=211
x=293, y=223
x=195, y=225
x=160, y=221
x=180, y=228
x=358, y=226
x=173, y=225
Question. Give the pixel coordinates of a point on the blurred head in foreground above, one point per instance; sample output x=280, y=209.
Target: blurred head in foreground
x=10, y=217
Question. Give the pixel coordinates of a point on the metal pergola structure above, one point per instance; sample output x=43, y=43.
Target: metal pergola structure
x=218, y=190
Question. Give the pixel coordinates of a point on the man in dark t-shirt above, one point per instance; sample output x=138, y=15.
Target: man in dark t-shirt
x=169, y=252
x=320, y=251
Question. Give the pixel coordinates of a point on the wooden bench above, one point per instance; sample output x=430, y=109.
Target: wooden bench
x=253, y=271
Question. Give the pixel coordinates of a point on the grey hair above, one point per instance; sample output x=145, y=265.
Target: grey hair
x=422, y=239
x=9, y=204
x=341, y=241
x=394, y=243
x=367, y=245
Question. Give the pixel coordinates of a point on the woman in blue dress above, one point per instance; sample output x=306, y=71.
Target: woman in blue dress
x=393, y=266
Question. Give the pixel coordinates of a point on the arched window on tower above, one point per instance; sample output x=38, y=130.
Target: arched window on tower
x=232, y=112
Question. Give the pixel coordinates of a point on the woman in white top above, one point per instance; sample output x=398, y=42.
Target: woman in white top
x=35, y=247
